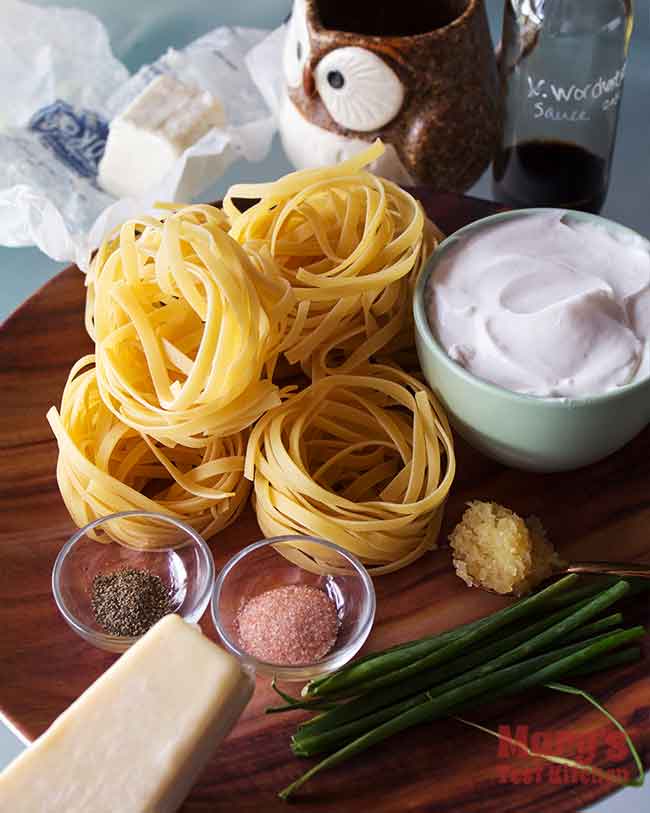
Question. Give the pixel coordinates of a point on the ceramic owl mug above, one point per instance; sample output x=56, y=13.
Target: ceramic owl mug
x=419, y=74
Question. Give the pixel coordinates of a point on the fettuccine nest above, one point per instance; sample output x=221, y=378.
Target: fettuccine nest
x=191, y=312
x=364, y=460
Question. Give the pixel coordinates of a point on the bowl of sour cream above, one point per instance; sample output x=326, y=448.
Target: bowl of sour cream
x=533, y=327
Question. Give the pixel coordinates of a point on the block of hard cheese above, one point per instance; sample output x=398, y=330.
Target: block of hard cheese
x=147, y=138
x=136, y=740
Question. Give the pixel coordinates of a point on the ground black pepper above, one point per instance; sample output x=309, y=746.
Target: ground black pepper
x=128, y=602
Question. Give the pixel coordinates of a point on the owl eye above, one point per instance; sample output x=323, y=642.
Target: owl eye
x=336, y=79
x=360, y=91
x=296, y=45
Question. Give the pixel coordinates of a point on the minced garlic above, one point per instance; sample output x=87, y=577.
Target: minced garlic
x=495, y=549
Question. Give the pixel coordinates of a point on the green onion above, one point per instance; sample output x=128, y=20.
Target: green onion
x=595, y=628
x=587, y=588
x=429, y=652
x=595, y=584
x=559, y=600
x=308, y=742
x=625, y=656
x=560, y=687
x=379, y=698
x=392, y=676
x=295, y=703
x=571, y=763
x=440, y=705
x=613, y=639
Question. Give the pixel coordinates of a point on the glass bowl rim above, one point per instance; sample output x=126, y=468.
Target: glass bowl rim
x=366, y=620
x=84, y=630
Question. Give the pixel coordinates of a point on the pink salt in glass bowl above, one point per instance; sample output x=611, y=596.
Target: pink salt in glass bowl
x=275, y=562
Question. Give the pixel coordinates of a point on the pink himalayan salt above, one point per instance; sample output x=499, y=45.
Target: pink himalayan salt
x=291, y=625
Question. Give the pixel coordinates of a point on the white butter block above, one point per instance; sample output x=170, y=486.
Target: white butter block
x=147, y=138
x=137, y=739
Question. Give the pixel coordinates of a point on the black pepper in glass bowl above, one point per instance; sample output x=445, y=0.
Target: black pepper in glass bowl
x=128, y=601
x=111, y=594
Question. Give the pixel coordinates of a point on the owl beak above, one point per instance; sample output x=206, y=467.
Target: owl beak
x=308, y=84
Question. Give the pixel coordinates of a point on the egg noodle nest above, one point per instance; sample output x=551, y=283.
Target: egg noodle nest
x=199, y=314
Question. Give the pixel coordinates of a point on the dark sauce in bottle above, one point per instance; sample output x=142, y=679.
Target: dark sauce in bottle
x=550, y=173
x=406, y=18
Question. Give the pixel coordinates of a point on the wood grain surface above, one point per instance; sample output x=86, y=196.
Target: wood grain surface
x=599, y=512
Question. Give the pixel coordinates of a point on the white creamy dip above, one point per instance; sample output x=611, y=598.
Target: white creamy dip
x=545, y=305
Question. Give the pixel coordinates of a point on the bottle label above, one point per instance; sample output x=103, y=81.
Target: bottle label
x=552, y=101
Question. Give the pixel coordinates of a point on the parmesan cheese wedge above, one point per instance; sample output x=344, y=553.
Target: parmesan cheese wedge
x=136, y=740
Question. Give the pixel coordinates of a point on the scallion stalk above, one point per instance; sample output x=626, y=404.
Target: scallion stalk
x=391, y=676
x=308, y=742
x=428, y=652
x=379, y=698
x=596, y=627
x=625, y=656
x=455, y=699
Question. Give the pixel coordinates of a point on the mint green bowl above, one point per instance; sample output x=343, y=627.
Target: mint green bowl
x=523, y=431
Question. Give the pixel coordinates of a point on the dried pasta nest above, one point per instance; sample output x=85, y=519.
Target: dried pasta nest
x=350, y=245
x=105, y=466
x=185, y=325
x=363, y=460
x=196, y=314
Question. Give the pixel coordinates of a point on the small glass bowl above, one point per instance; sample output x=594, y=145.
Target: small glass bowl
x=276, y=562
x=186, y=568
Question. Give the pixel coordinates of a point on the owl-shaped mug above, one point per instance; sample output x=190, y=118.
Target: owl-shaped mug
x=419, y=74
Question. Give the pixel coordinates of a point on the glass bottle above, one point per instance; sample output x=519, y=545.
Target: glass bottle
x=562, y=66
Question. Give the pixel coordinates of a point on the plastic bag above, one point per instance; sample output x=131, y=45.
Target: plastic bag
x=61, y=86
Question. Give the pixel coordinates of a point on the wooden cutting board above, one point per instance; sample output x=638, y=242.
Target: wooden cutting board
x=597, y=513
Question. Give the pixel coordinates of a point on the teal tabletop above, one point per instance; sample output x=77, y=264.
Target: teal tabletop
x=140, y=32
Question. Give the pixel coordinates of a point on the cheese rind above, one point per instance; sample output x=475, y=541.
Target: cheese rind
x=147, y=138
x=136, y=740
